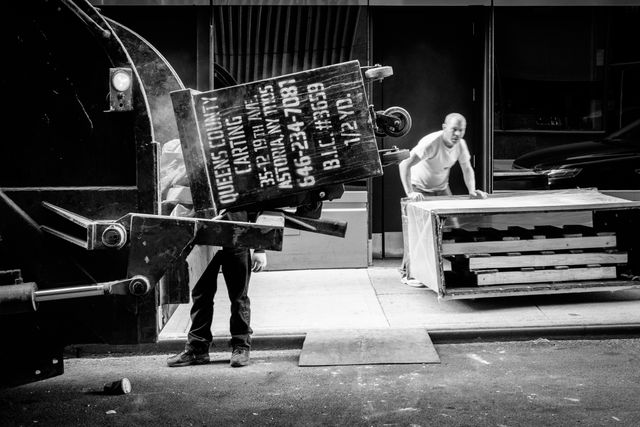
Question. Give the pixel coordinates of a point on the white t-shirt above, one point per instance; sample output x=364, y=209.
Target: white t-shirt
x=436, y=160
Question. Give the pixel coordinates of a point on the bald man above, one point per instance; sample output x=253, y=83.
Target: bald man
x=426, y=171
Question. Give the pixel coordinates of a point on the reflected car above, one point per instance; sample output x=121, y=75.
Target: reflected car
x=611, y=163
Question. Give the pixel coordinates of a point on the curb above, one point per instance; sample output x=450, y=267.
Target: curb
x=172, y=346
x=438, y=336
x=624, y=330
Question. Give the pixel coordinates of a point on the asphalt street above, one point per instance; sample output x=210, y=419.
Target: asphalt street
x=518, y=383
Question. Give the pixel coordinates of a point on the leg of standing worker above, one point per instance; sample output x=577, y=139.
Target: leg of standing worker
x=199, y=339
x=236, y=268
x=203, y=293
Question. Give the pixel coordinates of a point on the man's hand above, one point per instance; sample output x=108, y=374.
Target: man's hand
x=258, y=261
x=477, y=194
x=416, y=196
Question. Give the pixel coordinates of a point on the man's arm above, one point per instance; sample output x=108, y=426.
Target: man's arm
x=470, y=181
x=405, y=176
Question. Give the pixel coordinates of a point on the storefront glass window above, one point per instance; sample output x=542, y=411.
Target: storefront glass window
x=563, y=75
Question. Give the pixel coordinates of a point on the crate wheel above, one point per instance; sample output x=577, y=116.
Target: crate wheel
x=400, y=124
x=378, y=73
x=392, y=156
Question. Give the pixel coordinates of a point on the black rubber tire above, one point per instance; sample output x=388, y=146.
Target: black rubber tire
x=405, y=122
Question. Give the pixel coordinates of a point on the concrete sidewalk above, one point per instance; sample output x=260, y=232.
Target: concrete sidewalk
x=292, y=303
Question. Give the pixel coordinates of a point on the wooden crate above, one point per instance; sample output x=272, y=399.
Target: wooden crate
x=277, y=137
x=520, y=244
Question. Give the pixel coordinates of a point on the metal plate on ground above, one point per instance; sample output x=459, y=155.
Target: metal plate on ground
x=367, y=347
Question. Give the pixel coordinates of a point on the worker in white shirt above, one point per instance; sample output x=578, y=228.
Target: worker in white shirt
x=425, y=173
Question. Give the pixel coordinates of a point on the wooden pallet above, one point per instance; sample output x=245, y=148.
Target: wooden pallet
x=544, y=259
x=537, y=255
x=515, y=239
x=556, y=274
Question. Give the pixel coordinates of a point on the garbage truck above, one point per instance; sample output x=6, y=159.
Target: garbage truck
x=113, y=172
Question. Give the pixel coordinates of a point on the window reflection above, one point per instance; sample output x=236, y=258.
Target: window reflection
x=565, y=77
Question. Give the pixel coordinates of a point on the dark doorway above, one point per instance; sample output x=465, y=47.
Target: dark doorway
x=437, y=54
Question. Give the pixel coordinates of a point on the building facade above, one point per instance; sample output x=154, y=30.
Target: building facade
x=527, y=74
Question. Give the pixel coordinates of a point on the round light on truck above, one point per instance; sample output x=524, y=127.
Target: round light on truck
x=121, y=80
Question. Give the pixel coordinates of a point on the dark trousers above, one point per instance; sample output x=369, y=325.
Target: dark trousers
x=236, y=269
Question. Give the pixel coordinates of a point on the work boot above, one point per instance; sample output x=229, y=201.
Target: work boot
x=239, y=357
x=188, y=357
